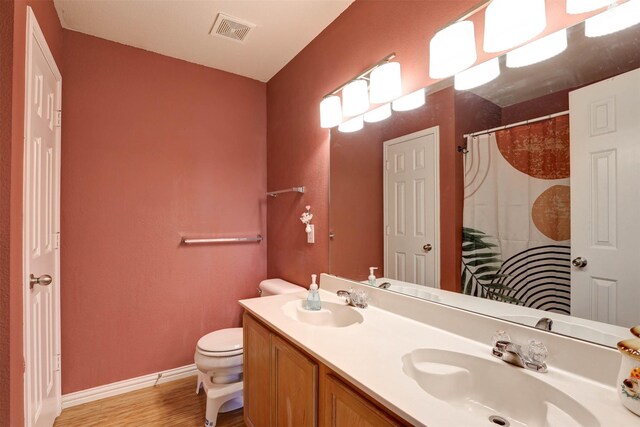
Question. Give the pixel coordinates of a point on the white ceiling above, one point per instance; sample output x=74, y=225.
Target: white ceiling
x=180, y=29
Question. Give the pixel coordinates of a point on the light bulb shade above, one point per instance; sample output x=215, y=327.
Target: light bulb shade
x=409, y=102
x=452, y=50
x=575, y=7
x=378, y=114
x=614, y=19
x=355, y=98
x=478, y=75
x=538, y=50
x=509, y=23
x=351, y=125
x=330, y=111
x=385, y=83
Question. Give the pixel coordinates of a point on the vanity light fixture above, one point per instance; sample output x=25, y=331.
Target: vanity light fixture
x=351, y=125
x=330, y=111
x=385, y=83
x=510, y=23
x=378, y=114
x=477, y=76
x=452, y=50
x=575, y=7
x=355, y=98
x=409, y=102
x=538, y=50
x=614, y=19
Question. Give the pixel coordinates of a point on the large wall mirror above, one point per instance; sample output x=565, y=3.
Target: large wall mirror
x=517, y=198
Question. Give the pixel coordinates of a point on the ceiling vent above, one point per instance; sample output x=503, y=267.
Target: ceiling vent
x=231, y=28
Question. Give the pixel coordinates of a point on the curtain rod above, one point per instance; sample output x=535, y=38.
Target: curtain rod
x=526, y=122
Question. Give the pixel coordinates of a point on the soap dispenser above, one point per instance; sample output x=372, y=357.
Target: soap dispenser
x=372, y=276
x=313, y=299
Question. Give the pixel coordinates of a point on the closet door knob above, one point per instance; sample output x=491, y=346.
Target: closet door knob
x=44, y=280
x=427, y=247
x=579, y=262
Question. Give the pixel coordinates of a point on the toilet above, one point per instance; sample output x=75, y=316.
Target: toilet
x=218, y=358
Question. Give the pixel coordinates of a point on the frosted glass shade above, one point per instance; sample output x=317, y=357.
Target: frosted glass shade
x=509, y=23
x=330, y=111
x=385, y=83
x=614, y=19
x=351, y=125
x=575, y=7
x=538, y=50
x=478, y=75
x=409, y=102
x=452, y=50
x=355, y=98
x=378, y=114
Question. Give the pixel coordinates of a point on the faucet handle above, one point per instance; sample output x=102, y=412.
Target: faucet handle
x=359, y=298
x=538, y=351
x=500, y=336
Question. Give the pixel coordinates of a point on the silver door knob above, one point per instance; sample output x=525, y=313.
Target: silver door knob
x=427, y=247
x=44, y=280
x=579, y=262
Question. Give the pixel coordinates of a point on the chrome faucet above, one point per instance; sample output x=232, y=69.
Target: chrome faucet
x=354, y=298
x=545, y=324
x=385, y=285
x=513, y=354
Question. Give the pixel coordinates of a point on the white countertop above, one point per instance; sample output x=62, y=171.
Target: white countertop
x=369, y=355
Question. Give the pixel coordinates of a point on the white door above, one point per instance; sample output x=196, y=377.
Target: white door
x=605, y=172
x=412, y=208
x=41, y=226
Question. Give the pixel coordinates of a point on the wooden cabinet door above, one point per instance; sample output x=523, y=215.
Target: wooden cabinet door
x=341, y=406
x=257, y=356
x=294, y=385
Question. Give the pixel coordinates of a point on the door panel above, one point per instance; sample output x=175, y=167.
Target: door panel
x=257, y=365
x=344, y=407
x=605, y=124
x=411, y=204
x=41, y=224
x=294, y=385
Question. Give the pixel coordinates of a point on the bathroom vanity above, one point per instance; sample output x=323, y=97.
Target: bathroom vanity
x=284, y=385
x=430, y=365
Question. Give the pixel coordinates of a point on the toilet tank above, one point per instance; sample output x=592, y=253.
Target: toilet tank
x=277, y=287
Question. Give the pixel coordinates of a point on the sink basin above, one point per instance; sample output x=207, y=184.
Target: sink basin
x=484, y=388
x=331, y=315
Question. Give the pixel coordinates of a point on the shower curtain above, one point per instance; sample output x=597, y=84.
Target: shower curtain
x=516, y=235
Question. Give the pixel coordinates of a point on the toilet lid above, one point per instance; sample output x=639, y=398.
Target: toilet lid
x=225, y=342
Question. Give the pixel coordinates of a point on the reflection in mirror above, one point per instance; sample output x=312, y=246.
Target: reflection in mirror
x=537, y=194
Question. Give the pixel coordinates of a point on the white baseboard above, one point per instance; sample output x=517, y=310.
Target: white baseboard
x=120, y=387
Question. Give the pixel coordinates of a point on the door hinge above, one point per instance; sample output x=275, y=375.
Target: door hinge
x=58, y=362
x=387, y=165
x=57, y=240
x=388, y=229
x=58, y=118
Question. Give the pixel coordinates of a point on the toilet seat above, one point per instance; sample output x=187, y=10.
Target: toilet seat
x=222, y=343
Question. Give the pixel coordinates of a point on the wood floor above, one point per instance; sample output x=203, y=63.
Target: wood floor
x=171, y=404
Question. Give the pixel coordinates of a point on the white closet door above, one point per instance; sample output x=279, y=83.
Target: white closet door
x=605, y=200
x=41, y=225
x=412, y=210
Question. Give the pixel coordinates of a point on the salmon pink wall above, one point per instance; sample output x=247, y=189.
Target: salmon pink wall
x=12, y=87
x=153, y=149
x=6, y=73
x=298, y=149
